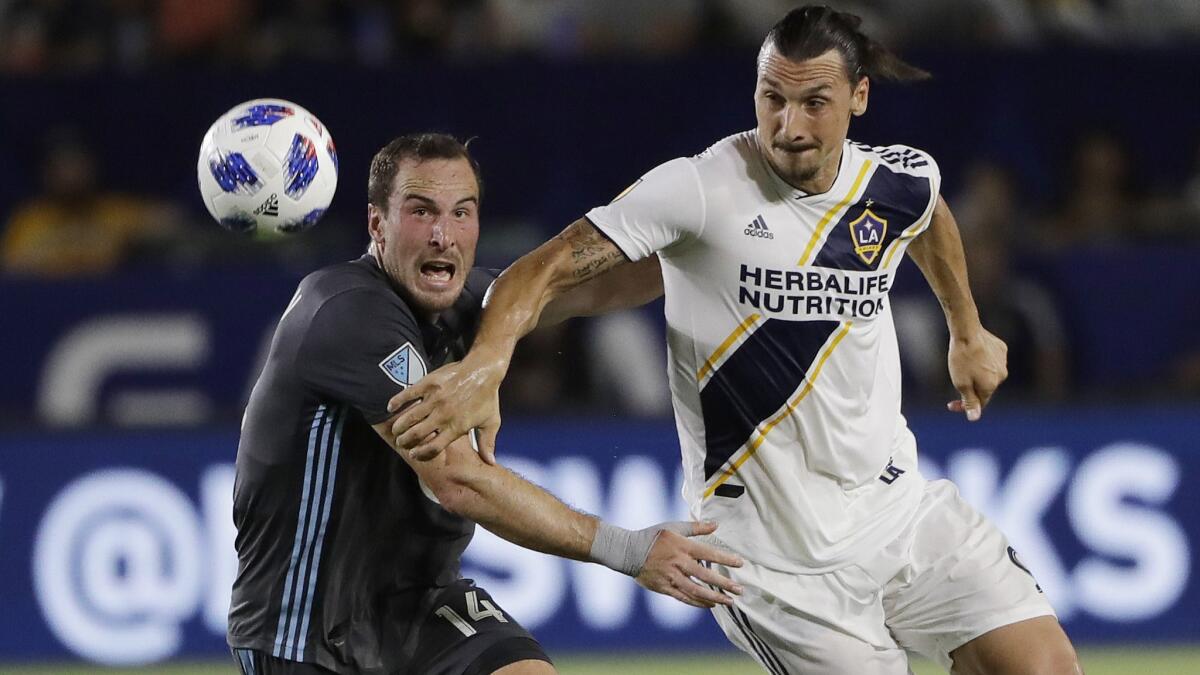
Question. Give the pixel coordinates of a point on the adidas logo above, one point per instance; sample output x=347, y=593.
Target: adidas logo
x=757, y=228
x=269, y=207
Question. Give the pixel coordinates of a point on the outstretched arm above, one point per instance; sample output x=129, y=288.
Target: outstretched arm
x=448, y=402
x=977, y=359
x=633, y=286
x=664, y=558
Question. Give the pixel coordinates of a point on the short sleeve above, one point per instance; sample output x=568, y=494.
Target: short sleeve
x=925, y=166
x=362, y=347
x=662, y=208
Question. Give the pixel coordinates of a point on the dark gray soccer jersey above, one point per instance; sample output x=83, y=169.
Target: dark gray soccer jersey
x=337, y=542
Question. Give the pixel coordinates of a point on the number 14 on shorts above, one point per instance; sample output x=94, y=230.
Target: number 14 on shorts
x=477, y=609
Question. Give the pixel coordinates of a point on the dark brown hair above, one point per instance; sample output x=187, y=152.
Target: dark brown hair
x=418, y=147
x=809, y=31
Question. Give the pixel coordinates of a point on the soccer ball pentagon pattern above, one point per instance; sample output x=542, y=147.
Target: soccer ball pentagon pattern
x=267, y=165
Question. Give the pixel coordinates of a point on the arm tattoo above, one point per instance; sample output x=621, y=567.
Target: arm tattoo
x=591, y=252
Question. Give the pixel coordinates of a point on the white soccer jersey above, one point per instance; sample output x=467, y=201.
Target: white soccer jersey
x=784, y=369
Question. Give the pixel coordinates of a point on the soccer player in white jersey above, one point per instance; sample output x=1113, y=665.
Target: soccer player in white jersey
x=778, y=247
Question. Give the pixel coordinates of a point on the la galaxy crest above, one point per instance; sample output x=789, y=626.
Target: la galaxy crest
x=403, y=366
x=867, y=232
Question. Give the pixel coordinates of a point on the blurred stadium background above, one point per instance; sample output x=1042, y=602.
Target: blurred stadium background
x=1067, y=132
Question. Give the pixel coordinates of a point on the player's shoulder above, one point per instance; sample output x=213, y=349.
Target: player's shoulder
x=464, y=314
x=733, y=158
x=344, y=293
x=732, y=150
x=898, y=158
x=479, y=280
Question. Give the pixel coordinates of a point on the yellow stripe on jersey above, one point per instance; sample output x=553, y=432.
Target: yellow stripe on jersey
x=711, y=363
x=833, y=212
x=906, y=235
x=791, y=407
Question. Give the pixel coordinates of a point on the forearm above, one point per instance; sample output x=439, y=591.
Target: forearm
x=938, y=252
x=524, y=514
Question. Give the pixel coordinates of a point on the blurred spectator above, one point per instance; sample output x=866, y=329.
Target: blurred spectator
x=41, y=35
x=532, y=26
x=209, y=31
x=628, y=359
x=585, y=27
x=1018, y=309
x=1191, y=199
x=547, y=373
x=74, y=228
x=1097, y=204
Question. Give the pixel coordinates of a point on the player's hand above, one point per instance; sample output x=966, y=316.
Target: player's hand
x=448, y=403
x=978, y=364
x=675, y=566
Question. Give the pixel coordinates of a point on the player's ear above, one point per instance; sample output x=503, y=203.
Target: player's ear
x=858, y=99
x=375, y=223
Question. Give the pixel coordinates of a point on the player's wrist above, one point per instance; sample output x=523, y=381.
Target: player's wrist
x=489, y=361
x=964, y=327
x=622, y=550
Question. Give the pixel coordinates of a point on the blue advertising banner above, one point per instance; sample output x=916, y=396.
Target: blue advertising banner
x=118, y=548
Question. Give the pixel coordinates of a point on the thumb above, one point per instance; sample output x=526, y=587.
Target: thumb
x=970, y=405
x=698, y=528
x=487, y=443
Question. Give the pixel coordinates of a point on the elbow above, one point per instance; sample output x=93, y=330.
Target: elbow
x=458, y=493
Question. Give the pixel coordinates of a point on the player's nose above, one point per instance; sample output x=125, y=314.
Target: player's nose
x=441, y=236
x=792, y=124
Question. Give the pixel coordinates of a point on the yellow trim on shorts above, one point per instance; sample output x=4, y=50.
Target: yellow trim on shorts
x=711, y=363
x=791, y=407
x=831, y=213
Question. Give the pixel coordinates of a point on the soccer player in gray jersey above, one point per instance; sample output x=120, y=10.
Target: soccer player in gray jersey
x=348, y=552
x=778, y=246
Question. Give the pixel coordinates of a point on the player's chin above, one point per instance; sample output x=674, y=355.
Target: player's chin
x=437, y=297
x=799, y=167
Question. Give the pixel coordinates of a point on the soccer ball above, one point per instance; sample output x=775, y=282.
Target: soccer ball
x=267, y=165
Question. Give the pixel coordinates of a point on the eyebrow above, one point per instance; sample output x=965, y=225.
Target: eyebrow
x=426, y=200
x=774, y=84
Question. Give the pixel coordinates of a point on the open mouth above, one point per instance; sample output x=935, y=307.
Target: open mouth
x=438, y=271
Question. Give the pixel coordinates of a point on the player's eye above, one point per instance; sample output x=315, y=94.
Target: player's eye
x=421, y=211
x=816, y=103
x=462, y=213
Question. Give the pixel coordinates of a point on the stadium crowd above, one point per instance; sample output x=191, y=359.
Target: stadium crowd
x=38, y=36
x=77, y=226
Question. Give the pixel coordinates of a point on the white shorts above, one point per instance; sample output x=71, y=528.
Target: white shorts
x=950, y=576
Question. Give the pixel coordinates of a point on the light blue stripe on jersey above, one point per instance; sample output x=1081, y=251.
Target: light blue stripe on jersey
x=285, y=605
x=247, y=656
x=292, y=645
x=307, y=607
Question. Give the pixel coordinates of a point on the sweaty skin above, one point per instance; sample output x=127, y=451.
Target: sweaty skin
x=425, y=239
x=804, y=108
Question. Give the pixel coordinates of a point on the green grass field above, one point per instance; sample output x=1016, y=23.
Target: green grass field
x=1106, y=661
